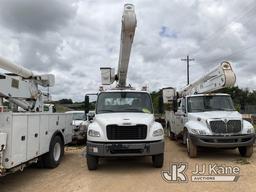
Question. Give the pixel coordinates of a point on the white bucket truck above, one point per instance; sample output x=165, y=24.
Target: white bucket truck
x=30, y=136
x=203, y=118
x=124, y=123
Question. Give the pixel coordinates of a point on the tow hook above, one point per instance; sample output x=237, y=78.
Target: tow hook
x=147, y=147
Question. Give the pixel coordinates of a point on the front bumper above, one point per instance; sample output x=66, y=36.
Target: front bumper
x=219, y=141
x=125, y=149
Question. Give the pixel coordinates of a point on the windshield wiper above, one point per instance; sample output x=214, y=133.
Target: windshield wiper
x=221, y=109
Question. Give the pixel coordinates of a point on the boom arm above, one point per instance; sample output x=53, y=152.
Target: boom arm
x=220, y=77
x=129, y=23
x=127, y=34
x=21, y=86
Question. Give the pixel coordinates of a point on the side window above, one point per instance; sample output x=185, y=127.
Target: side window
x=46, y=108
x=182, y=105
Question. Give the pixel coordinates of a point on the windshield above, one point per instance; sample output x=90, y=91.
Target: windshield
x=210, y=103
x=78, y=116
x=112, y=102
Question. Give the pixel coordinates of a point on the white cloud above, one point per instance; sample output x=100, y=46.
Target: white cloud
x=73, y=39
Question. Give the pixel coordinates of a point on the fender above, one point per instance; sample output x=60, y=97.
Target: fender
x=196, y=125
x=57, y=133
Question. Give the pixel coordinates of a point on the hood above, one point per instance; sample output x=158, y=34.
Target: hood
x=124, y=119
x=216, y=115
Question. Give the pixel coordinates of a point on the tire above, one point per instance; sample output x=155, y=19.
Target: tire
x=246, y=151
x=92, y=162
x=158, y=160
x=191, y=147
x=53, y=157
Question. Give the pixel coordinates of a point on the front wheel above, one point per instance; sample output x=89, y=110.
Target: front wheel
x=92, y=162
x=191, y=147
x=53, y=157
x=246, y=151
x=158, y=160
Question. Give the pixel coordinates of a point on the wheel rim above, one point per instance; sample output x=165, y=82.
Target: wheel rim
x=56, y=151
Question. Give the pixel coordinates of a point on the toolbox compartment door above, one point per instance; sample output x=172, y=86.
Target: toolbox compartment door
x=33, y=136
x=19, y=139
x=44, y=134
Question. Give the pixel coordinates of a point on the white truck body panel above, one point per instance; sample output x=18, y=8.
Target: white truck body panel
x=102, y=120
x=29, y=135
x=3, y=140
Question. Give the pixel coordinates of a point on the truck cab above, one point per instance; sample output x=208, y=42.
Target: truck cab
x=124, y=125
x=210, y=120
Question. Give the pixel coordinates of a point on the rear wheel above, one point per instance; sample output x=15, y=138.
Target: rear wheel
x=191, y=147
x=53, y=157
x=246, y=151
x=158, y=160
x=92, y=162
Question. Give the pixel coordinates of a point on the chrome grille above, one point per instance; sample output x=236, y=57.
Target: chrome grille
x=234, y=126
x=231, y=126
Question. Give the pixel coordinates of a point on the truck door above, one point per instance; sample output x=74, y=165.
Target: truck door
x=179, y=116
x=184, y=116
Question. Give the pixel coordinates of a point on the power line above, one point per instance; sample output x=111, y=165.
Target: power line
x=224, y=28
x=236, y=52
x=249, y=13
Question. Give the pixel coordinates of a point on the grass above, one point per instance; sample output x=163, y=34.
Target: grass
x=61, y=109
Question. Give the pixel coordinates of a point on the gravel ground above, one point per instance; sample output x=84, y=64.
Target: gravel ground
x=130, y=174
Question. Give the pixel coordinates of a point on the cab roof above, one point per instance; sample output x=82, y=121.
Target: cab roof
x=208, y=94
x=124, y=90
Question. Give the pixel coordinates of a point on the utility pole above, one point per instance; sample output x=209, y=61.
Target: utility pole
x=188, y=60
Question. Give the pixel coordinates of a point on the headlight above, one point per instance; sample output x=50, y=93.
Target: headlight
x=250, y=130
x=158, y=132
x=198, y=132
x=93, y=133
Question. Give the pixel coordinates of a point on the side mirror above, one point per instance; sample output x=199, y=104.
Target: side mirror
x=54, y=109
x=175, y=105
x=160, y=104
x=91, y=116
x=86, y=104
